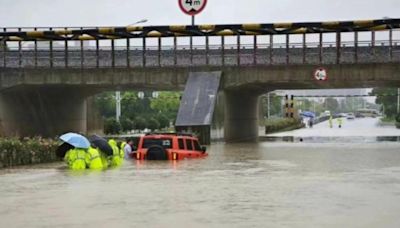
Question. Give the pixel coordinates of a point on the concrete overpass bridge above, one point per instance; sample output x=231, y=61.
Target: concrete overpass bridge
x=47, y=74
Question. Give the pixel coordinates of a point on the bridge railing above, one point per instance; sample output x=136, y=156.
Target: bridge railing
x=261, y=51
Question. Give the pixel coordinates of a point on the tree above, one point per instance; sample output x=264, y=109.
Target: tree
x=105, y=103
x=387, y=97
x=139, y=123
x=163, y=120
x=126, y=124
x=275, y=105
x=112, y=126
x=129, y=105
x=331, y=104
x=153, y=124
x=167, y=103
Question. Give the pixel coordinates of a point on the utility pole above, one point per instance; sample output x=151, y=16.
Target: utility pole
x=191, y=43
x=269, y=105
x=398, y=100
x=118, y=105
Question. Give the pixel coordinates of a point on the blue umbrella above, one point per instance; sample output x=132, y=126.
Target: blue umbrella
x=308, y=114
x=75, y=140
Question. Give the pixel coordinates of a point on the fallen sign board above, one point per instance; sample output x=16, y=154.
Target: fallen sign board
x=198, y=101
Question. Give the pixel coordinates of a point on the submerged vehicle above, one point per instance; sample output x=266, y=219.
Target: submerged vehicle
x=168, y=146
x=350, y=116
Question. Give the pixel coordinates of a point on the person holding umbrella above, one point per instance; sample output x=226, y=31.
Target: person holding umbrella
x=75, y=157
x=103, y=148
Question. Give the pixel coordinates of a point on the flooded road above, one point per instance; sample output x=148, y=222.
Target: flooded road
x=269, y=184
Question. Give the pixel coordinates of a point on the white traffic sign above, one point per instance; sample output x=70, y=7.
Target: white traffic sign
x=192, y=7
x=321, y=74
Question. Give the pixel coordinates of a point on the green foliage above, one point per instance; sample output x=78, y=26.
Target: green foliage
x=163, y=109
x=105, y=103
x=398, y=118
x=166, y=103
x=140, y=123
x=126, y=124
x=163, y=120
x=281, y=124
x=387, y=97
x=27, y=151
x=112, y=126
x=331, y=104
x=153, y=124
x=276, y=105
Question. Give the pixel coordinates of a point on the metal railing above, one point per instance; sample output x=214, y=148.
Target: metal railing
x=61, y=54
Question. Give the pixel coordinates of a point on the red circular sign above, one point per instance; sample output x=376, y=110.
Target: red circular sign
x=192, y=7
x=321, y=74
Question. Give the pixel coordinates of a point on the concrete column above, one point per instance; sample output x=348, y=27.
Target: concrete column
x=30, y=111
x=241, y=116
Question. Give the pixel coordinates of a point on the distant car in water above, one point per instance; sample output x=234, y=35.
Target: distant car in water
x=361, y=113
x=350, y=116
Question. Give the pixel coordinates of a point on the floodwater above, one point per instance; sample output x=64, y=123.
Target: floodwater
x=268, y=184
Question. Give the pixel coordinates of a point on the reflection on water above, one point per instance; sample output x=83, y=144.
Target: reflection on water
x=240, y=185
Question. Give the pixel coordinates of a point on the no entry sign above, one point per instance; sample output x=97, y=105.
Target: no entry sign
x=192, y=7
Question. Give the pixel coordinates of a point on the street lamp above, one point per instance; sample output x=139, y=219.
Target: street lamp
x=138, y=22
x=154, y=95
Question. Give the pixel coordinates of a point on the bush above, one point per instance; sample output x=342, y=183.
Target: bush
x=27, y=151
x=112, y=126
x=281, y=124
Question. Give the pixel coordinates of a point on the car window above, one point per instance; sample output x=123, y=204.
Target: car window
x=189, y=145
x=166, y=143
x=196, y=145
x=181, y=144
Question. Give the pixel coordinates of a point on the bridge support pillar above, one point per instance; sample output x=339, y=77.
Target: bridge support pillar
x=42, y=111
x=241, y=116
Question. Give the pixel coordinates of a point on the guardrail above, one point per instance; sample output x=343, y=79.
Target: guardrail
x=90, y=54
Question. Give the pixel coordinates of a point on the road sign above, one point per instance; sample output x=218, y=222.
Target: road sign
x=321, y=74
x=192, y=7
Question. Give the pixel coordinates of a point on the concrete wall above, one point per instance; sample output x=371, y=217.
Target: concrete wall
x=241, y=116
x=30, y=111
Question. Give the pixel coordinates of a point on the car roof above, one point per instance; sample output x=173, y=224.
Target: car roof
x=169, y=135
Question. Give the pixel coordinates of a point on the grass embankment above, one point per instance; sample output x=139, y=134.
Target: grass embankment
x=27, y=151
x=282, y=124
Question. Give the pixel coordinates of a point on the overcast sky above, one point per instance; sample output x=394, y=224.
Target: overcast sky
x=162, y=12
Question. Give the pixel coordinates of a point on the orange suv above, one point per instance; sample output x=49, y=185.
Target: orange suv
x=169, y=146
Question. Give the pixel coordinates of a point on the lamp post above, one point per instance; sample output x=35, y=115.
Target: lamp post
x=118, y=93
x=154, y=95
x=269, y=104
x=138, y=22
x=398, y=100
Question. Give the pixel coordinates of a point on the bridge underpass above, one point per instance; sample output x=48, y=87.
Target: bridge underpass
x=44, y=88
